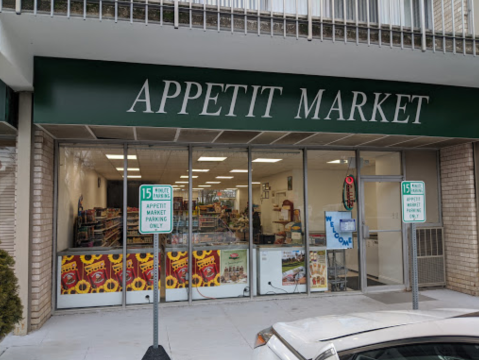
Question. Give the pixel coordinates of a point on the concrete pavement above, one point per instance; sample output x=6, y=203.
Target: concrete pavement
x=203, y=331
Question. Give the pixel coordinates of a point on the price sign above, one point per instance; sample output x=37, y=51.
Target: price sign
x=156, y=205
x=413, y=196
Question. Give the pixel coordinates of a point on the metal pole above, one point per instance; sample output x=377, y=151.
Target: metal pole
x=415, y=290
x=250, y=217
x=155, y=291
x=190, y=223
x=55, y=225
x=361, y=244
x=423, y=26
x=306, y=224
x=310, y=22
x=125, y=214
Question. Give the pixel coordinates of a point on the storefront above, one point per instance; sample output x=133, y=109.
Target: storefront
x=284, y=184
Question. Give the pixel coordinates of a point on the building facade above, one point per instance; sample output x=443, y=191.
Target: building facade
x=285, y=129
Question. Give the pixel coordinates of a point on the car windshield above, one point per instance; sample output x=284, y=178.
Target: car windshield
x=440, y=351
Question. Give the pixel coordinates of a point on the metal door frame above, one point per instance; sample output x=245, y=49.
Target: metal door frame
x=362, y=243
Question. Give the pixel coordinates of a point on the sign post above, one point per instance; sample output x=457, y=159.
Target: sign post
x=156, y=217
x=413, y=199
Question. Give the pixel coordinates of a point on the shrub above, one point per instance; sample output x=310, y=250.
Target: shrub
x=10, y=305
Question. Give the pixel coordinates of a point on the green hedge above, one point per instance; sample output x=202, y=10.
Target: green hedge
x=10, y=306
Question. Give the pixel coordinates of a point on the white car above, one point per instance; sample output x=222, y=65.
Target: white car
x=443, y=334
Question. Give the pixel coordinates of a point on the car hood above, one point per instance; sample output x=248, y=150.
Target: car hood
x=309, y=336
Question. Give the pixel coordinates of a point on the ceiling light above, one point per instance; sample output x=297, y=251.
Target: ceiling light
x=187, y=177
x=129, y=169
x=241, y=185
x=198, y=189
x=225, y=177
x=238, y=171
x=231, y=189
x=213, y=182
x=263, y=160
x=200, y=170
x=338, y=162
x=212, y=158
x=204, y=185
x=120, y=157
x=256, y=183
x=181, y=182
x=133, y=176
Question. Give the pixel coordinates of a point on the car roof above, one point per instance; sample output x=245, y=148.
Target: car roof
x=355, y=330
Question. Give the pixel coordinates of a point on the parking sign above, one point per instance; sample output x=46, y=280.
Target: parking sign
x=413, y=197
x=156, y=205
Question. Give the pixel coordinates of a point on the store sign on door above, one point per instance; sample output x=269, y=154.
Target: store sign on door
x=413, y=196
x=156, y=205
x=337, y=236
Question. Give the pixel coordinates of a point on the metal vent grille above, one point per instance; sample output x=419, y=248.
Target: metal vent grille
x=430, y=257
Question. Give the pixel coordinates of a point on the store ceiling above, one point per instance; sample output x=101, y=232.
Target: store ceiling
x=169, y=164
x=228, y=137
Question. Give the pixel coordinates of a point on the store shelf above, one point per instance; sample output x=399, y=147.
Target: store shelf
x=111, y=227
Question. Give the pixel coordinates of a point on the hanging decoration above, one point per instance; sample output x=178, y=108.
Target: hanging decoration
x=350, y=192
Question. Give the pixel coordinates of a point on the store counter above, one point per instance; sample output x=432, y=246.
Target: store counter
x=282, y=269
x=219, y=271
x=94, y=276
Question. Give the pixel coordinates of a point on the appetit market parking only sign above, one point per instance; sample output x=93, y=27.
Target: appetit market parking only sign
x=156, y=205
x=413, y=195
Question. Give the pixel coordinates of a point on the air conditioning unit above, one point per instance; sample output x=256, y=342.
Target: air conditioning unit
x=431, y=261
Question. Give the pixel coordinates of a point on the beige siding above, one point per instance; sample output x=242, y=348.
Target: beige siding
x=8, y=182
x=460, y=219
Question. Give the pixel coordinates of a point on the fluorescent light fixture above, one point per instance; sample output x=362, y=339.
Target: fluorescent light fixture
x=225, y=177
x=241, y=186
x=120, y=157
x=263, y=160
x=338, y=162
x=181, y=182
x=238, y=171
x=200, y=170
x=204, y=186
x=213, y=182
x=133, y=176
x=256, y=183
x=187, y=177
x=198, y=189
x=129, y=169
x=212, y=158
x=231, y=189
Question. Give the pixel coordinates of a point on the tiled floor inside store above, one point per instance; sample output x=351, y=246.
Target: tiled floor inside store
x=204, y=331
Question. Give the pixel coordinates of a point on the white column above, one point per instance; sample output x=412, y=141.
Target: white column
x=23, y=210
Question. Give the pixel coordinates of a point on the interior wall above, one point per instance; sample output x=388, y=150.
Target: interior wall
x=422, y=165
x=76, y=179
x=278, y=183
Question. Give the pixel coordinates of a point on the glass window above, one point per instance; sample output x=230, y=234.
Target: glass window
x=332, y=205
x=278, y=203
x=221, y=224
x=380, y=163
x=438, y=351
x=422, y=165
x=90, y=226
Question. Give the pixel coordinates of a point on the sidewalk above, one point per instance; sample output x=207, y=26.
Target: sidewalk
x=204, y=331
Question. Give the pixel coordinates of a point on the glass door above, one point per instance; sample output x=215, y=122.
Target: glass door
x=382, y=236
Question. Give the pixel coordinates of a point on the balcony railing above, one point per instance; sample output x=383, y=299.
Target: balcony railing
x=435, y=25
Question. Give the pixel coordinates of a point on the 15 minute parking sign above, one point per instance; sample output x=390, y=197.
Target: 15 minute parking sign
x=156, y=203
x=413, y=196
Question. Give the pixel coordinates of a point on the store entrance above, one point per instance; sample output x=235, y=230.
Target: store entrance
x=382, y=235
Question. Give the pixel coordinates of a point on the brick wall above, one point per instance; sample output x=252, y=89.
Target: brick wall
x=459, y=217
x=42, y=234
x=448, y=16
